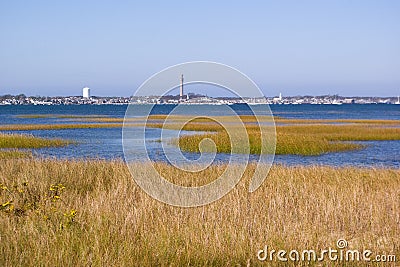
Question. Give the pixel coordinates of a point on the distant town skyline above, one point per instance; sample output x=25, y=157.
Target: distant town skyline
x=191, y=99
x=350, y=48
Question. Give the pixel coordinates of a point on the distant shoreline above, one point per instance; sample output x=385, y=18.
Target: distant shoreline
x=194, y=99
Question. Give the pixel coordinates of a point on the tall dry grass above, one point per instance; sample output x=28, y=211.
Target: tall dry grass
x=14, y=154
x=116, y=224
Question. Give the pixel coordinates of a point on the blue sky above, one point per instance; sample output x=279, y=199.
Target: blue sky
x=293, y=47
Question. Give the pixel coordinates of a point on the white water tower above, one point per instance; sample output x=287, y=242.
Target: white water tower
x=86, y=92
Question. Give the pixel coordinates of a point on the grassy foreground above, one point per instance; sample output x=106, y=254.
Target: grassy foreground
x=91, y=213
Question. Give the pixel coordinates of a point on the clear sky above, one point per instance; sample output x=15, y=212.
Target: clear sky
x=294, y=47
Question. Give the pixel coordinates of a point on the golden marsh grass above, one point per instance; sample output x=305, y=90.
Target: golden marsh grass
x=312, y=139
x=339, y=121
x=244, y=118
x=286, y=144
x=298, y=137
x=26, y=127
x=116, y=224
x=252, y=119
x=14, y=154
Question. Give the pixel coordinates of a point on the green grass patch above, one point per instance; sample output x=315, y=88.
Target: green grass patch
x=286, y=144
x=29, y=141
x=343, y=132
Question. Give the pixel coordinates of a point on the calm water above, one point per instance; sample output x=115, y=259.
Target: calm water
x=106, y=143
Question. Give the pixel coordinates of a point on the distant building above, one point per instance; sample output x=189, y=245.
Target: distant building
x=348, y=101
x=277, y=99
x=86, y=92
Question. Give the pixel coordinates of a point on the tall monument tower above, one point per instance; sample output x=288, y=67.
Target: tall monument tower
x=181, y=89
